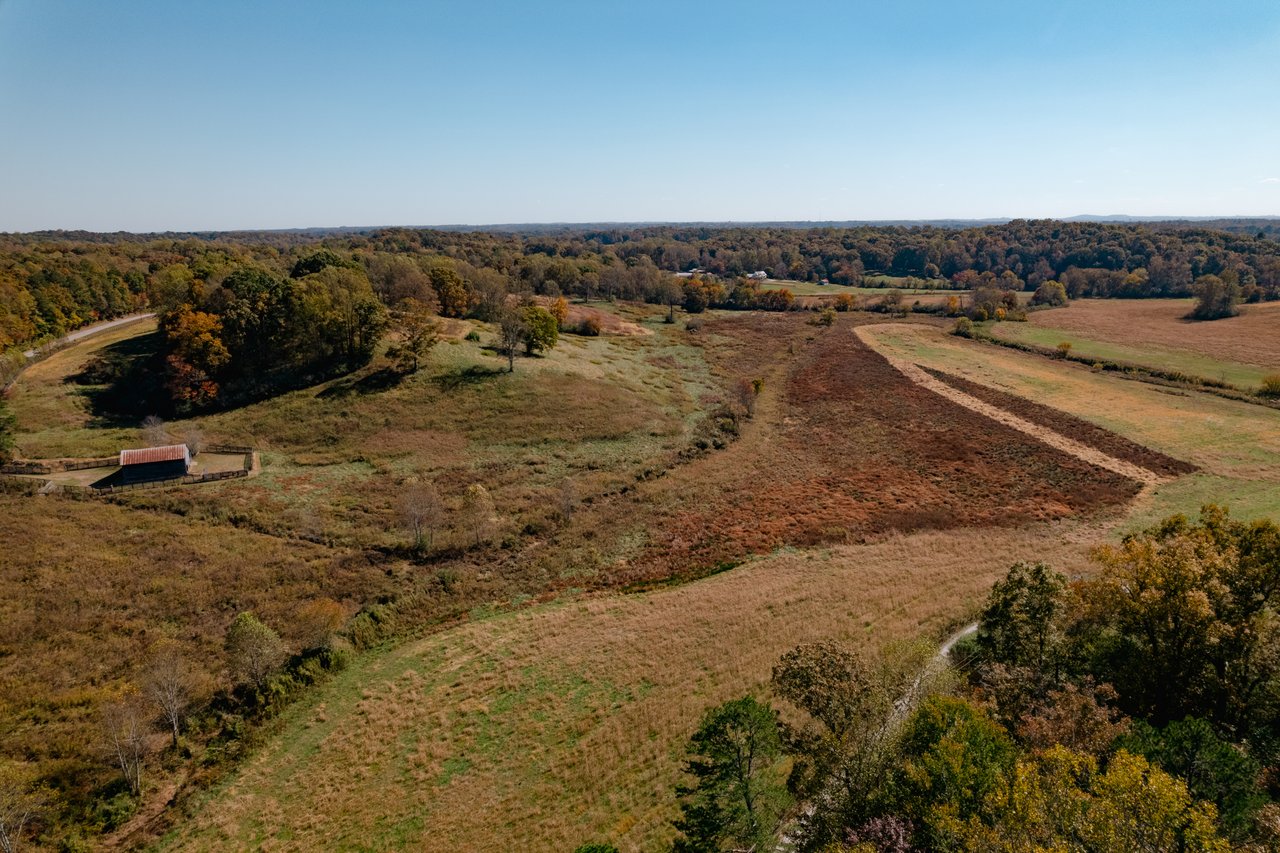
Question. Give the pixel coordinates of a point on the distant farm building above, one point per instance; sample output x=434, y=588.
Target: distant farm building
x=759, y=275
x=155, y=463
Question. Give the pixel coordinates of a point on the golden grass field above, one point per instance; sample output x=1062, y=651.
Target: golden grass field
x=533, y=725
x=562, y=724
x=1152, y=332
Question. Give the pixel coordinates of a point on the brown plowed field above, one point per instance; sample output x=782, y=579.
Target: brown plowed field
x=848, y=449
x=1071, y=426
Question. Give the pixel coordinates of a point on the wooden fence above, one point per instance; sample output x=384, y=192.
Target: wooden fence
x=225, y=448
x=188, y=480
x=54, y=466
x=57, y=466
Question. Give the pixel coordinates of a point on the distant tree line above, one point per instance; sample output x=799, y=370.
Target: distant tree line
x=238, y=307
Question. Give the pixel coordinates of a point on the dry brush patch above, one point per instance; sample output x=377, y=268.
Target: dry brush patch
x=845, y=450
x=90, y=587
x=563, y=724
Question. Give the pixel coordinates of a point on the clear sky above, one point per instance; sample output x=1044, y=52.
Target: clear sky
x=217, y=114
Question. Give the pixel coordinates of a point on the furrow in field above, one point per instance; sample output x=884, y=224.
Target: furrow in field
x=1054, y=439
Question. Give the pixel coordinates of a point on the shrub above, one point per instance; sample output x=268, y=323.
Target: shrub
x=963, y=327
x=1051, y=293
x=695, y=300
x=1064, y=349
x=253, y=650
x=541, y=330
x=846, y=302
x=1216, y=297
x=1270, y=385
x=473, y=336
x=589, y=327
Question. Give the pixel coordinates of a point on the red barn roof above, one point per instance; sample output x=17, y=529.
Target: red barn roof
x=168, y=453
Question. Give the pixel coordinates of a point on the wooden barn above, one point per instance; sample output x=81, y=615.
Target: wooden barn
x=154, y=463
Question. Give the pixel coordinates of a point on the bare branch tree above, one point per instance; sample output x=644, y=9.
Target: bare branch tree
x=421, y=511
x=125, y=728
x=193, y=438
x=169, y=684
x=154, y=431
x=512, y=331
x=566, y=498
x=21, y=802
x=478, y=512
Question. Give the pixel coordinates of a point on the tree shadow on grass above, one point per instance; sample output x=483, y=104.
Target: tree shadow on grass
x=124, y=383
x=472, y=375
x=380, y=380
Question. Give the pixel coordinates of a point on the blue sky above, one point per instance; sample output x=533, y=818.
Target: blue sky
x=216, y=115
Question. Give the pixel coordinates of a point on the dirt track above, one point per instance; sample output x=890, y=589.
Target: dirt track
x=1042, y=433
x=89, y=331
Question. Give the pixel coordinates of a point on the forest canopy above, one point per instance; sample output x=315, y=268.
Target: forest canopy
x=237, y=307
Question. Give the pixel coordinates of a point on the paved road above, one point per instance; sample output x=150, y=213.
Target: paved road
x=88, y=331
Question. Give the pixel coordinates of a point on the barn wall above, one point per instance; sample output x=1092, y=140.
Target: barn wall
x=149, y=471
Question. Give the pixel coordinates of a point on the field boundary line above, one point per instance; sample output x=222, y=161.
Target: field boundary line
x=1054, y=439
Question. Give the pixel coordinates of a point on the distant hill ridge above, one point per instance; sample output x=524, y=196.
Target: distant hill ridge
x=1223, y=223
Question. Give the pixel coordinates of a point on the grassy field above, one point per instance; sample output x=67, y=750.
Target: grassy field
x=548, y=728
x=1243, y=376
x=1239, y=350
x=565, y=724
x=55, y=415
x=95, y=585
x=334, y=456
x=321, y=519
x=885, y=285
x=859, y=506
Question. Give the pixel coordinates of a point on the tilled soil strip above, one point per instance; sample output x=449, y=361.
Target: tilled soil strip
x=1074, y=428
x=1041, y=433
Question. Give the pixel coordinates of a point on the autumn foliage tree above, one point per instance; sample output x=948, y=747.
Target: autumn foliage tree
x=452, y=291
x=542, y=332
x=254, y=650
x=419, y=333
x=256, y=332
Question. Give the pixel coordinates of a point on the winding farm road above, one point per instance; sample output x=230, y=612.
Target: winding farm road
x=89, y=331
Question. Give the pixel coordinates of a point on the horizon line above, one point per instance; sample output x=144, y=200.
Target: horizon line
x=641, y=223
